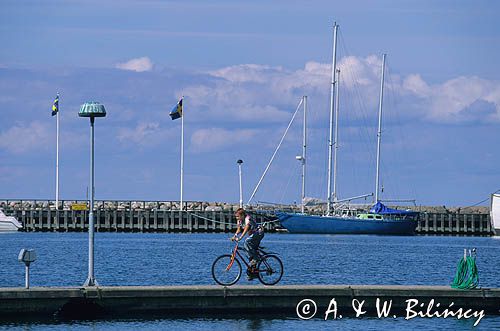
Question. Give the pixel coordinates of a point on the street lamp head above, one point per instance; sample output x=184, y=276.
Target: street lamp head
x=92, y=109
x=239, y=161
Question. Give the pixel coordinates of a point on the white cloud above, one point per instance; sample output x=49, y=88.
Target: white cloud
x=20, y=139
x=139, y=65
x=213, y=139
x=259, y=93
x=233, y=102
x=456, y=100
x=416, y=85
x=263, y=93
x=254, y=92
x=247, y=73
x=359, y=71
x=144, y=134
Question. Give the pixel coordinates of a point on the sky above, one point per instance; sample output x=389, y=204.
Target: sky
x=243, y=67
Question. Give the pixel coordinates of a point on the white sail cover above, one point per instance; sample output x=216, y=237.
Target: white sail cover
x=495, y=212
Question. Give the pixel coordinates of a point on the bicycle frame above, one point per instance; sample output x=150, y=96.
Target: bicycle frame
x=233, y=256
x=236, y=251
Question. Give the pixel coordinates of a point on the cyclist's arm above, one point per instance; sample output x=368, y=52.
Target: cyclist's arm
x=238, y=230
x=245, y=230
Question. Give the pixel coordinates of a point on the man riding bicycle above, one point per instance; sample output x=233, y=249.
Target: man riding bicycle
x=255, y=235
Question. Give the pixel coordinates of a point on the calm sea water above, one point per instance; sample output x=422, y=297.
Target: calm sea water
x=185, y=259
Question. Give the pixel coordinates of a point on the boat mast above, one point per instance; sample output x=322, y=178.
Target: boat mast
x=330, y=140
x=379, y=132
x=303, y=158
x=336, y=143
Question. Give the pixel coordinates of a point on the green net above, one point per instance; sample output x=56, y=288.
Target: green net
x=466, y=276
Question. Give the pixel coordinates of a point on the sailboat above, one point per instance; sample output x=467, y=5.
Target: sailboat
x=379, y=220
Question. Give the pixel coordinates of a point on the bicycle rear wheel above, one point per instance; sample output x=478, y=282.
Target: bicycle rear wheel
x=226, y=272
x=270, y=269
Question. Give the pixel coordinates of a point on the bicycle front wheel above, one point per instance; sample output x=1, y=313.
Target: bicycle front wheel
x=226, y=271
x=270, y=270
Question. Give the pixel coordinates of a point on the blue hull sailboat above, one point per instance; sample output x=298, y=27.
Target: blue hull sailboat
x=380, y=220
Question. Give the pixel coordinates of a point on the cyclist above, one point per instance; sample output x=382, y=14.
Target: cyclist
x=255, y=235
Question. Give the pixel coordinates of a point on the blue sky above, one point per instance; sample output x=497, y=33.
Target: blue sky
x=243, y=67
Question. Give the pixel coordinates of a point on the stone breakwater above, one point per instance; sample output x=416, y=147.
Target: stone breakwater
x=118, y=205
x=166, y=216
x=217, y=206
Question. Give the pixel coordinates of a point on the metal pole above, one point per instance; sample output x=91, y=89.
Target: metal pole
x=91, y=279
x=57, y=160
x=304, y=144
x=240, y=162
x=182, y=153
x=379, y=131
x=330, y=140
x=27, y=280
x=336, y=137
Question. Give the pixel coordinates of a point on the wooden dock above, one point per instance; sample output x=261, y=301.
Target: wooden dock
x=196, y=300
x=156, y=216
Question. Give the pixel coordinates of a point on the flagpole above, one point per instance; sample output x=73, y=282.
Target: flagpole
x=57, y=159
x=182, y=152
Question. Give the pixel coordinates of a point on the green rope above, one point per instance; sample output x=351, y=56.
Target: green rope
x=466, y=276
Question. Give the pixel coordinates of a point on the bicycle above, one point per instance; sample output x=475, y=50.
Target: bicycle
x=226, y=269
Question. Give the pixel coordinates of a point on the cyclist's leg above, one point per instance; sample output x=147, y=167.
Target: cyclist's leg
x=258, y=239
x=252, y=253
x=250, y=247
x=252, y=244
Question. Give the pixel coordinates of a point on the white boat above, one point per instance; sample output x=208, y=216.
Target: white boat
x=8, y=223
x=495, y=212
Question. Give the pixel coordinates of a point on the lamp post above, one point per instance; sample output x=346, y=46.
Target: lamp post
x=91, y=110
x=240, y=162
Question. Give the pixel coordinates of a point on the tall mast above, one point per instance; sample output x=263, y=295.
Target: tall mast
x=336, y=143
x=379, y=132
x=330, y=140
x=303, y=160
x=57, y=159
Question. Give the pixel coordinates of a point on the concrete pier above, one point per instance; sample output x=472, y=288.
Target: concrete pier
x=196, y=300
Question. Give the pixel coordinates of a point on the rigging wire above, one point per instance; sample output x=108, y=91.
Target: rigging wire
x=316, y=157
x=284, y=170
x=363, y=109
x=359, y=120
x=394, y=98
x=480, y=202
x=275, y=152
x=293, y=173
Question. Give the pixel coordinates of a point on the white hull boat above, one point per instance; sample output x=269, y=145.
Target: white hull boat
x=8, y=223
x=495, y=212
